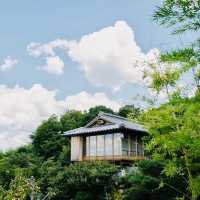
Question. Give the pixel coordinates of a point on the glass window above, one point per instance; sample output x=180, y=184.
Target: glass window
x=133, y=146
x=108, y=145
x=113, y=144
x=87, y=146
x=100, y=145
x=117, y=144
x=93, y=145
x=125, y=145
x=140, y=149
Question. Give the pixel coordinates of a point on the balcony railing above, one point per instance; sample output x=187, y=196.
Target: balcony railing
x=114, y=158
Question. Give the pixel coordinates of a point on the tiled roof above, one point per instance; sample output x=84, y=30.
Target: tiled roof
x=117, y=123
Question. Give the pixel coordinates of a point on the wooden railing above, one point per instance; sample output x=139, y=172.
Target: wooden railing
x=114, y=158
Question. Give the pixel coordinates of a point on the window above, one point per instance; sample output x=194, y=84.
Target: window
x=93, y=145
x=125, y=148
x=109, y=145
x=140, y=148
x=133, y=145
x=100, y=145
x=118, y=144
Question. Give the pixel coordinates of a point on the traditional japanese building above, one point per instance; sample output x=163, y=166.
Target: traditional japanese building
x=107, y=137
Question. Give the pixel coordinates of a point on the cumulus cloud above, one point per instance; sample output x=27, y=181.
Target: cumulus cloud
x=109, y=57
x=8, y=63
x=54, y=65
x=38, y=49
x=83, y=101
x=23, y=109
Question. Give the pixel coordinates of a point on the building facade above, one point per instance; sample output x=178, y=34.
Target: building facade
x=107, y=137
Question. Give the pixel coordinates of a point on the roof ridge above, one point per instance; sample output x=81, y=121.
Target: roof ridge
x=112, y=115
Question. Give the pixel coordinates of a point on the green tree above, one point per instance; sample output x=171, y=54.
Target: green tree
x=183, y=15
x=72, y=119
x=48, y=140
x=21, y=188
x=89, y=180
x=176, y=141
x=93, y=112
x=22, y=159
x=143, y=182
x=127, y=110
x=175, y=126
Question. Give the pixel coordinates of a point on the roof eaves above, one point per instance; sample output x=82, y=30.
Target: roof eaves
x=83, y=130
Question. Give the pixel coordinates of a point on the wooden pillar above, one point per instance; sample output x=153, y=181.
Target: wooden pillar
x=104, y=147
x=129, y=145
x=143, y=148
x=113, y=146
x=96, y=148
x=136, y=146
x=89, y=147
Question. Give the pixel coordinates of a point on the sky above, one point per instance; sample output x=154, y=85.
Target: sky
x=61, y=55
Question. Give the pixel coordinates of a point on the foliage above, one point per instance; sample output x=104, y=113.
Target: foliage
x=144, y=181
x=47, y=160
x=20, y=189
x=127, y=110
x=13, y=162
x=48, y=140
x=92, y=180
x=175, y=129
x=183, y=14
x=72, y=119
x=93, y=112
x=175, y=126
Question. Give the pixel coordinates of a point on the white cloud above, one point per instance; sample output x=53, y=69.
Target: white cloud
x=37, y=49
x=8, y=63
x=109, y=57
x=23, y=109
x=83, y=101
x=54, y=65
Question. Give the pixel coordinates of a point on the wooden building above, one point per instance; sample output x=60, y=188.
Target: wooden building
x=107, y=137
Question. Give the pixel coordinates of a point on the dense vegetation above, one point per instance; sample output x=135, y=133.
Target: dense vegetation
x=42, y=170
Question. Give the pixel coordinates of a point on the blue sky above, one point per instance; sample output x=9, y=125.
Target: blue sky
x=25, y=83
x=43, y=21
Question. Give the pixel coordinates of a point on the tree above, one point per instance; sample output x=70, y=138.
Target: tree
x=129, y=109
x=93, y=112
x=48, y=140
x=175, y=141
x=21, y=188
x=182, y=14
x=22, y=159
x=72, y=119
x=175, y=126
x=89, y=180
x=143, y=181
